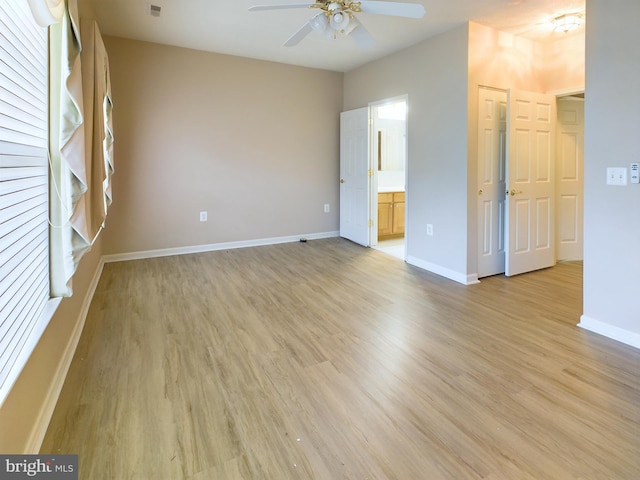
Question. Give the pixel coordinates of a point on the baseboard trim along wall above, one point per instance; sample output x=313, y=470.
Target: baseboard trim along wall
x=44, y=417
x=167, y=252
x=610, y=331
x=462, y=278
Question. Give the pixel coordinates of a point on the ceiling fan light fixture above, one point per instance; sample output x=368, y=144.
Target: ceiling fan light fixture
x=339, y=20
x=319, y=23
x=337, y=17
x=567, y=22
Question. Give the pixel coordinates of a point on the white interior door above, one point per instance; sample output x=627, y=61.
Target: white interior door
x=492, y=124
x=570, y=181
x=354, y=176
x=530, y=239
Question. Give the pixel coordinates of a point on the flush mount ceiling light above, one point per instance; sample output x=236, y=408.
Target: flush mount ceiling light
x=337, y=17
x=567, y=22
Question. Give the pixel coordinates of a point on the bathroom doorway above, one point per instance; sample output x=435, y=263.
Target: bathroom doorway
x=389, y=149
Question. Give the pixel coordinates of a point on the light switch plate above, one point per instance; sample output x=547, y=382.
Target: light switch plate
x=616, y=176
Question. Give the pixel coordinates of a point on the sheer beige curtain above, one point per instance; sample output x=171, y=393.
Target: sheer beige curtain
x=81, y=143
x=97, y=127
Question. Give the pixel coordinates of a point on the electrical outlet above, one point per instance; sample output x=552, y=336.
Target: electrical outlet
x=429, y=229
x=327, y=208
x=203, y=216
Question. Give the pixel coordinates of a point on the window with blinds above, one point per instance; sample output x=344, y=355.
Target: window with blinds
x=24, y=198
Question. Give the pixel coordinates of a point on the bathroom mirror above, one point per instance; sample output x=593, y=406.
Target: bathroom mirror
x=390, y=130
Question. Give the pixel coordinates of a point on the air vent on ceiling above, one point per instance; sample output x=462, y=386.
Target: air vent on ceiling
x=154, y=10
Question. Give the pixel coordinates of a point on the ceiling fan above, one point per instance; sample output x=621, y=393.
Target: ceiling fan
x=337, y=17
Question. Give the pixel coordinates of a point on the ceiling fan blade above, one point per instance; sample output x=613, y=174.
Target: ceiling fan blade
x=256, y=8
x=361, y=36
x=409, y=10
x=297, y=37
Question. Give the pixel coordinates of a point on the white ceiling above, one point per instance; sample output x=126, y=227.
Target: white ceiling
x=226, y=26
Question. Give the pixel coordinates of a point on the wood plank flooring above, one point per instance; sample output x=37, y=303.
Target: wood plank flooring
x=326, y=360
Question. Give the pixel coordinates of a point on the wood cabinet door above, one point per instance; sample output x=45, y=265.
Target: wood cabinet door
x=385, y=214
x=398, y=216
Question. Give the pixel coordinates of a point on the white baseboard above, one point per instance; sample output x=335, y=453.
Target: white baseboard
x=444, y=272
x=472, y=279
x=166, y=252
x=46, y=412
x=610, y=331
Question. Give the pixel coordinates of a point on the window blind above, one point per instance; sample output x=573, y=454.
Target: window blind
x=24, y=245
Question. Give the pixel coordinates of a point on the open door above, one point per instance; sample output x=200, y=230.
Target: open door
x=570, y=178
x=530, y=188
x=492, y=125
x=354, y=176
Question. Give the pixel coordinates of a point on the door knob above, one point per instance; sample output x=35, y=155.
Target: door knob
x=514, y=192
x=342, y=180
x=480, y=192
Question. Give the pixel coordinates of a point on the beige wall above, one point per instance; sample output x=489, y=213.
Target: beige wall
x=564, y=64
x=501, y=60
x=253, y=143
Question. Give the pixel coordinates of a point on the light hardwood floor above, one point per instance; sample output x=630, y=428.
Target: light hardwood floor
x=326, y=360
